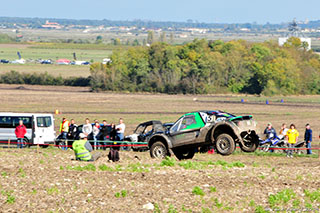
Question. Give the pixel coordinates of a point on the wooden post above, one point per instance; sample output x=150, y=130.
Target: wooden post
x=9, y=143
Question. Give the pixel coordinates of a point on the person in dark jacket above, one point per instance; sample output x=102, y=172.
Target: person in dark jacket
x=105, y=131
x=270, y=132
x=113, y=137
x=73, y=129
x=308, y=139
x=20, y=132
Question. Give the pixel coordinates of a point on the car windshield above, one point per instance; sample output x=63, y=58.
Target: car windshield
x=140, y=129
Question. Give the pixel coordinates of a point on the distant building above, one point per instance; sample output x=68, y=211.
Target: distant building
x=51, y=25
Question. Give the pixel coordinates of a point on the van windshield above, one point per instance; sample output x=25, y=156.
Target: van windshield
x=44, y=121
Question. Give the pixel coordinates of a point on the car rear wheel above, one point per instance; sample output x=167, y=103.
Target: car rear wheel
x=184, y=154
x=225, y=144
x=158, y=150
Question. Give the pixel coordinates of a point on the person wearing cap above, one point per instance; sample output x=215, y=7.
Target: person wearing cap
x=82, y=149
x=270, y=132
x=308, y=138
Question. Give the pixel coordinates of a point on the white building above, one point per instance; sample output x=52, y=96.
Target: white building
x=283, y=40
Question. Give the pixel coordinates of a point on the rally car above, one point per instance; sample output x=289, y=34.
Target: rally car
x=144, y=131
x=205, y=128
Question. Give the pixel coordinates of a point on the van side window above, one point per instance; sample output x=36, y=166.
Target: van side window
x=44, y=121
x=26, y=121
x=5, y=122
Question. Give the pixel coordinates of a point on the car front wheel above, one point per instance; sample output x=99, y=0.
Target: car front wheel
x=225, y=144
x=158, y=150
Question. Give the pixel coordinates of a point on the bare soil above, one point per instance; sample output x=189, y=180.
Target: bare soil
x=50, y=181
x=42, y=182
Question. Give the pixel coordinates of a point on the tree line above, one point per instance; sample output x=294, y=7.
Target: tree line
x=201, y=67
x=14, y=77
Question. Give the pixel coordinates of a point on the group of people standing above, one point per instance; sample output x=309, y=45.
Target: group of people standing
x=291, y=135
x=93, y=131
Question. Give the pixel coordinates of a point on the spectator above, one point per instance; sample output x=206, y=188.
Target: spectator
x=113, y=132
x=308, y=139
x=105, y=131
x=87, y=127
x=96, y=134
x=270, y=132
x=292, y=136
x=283, y=131
x=64, y=129
x=120, y=130
x=20, y=132
x=73, y=129
x=114, y=149
x=82, y=149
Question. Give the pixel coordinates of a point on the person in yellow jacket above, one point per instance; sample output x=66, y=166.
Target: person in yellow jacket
x=292, y=137
x=64, y=129
x=82, y=149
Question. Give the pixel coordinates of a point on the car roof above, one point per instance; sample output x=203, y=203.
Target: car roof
x=150, y=123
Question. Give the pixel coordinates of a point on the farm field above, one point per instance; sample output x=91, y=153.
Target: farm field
x=51, y=181
x=79, y=103
x=37, y=51
x=53, y=52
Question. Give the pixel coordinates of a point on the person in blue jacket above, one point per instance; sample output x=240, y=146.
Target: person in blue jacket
x=308, y=138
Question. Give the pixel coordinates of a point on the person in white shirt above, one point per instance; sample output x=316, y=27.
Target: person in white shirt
x=283, y=131
x=87, y=128
x=121, y=127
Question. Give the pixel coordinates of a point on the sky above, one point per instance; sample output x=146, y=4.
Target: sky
x=210, y=11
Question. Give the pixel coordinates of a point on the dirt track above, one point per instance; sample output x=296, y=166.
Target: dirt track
x=45, y=181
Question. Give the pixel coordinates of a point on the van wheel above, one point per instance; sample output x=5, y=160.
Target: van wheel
x=25, y=143
x=158, y=150
x=225, y=144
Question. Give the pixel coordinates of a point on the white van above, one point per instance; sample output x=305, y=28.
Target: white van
x=40, y=127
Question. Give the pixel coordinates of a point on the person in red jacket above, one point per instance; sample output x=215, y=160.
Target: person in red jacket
x=20, y=131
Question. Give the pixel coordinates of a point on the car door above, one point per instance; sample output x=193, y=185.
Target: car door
x=43, y=131
x=184, y=131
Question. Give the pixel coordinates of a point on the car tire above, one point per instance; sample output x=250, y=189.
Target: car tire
x=225, y=144
x=184, y=154
x=158, y=150
x=250, y=147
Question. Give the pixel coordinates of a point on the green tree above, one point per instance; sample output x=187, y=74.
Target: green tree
x=150, y=38
x=163, y=37
x=99, y=39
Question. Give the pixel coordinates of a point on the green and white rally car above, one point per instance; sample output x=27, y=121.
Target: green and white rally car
x=201, y=129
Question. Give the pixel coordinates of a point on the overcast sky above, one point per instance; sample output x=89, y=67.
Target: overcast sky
x=223, y=11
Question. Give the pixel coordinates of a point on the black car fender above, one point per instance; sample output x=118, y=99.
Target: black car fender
x=160, y=137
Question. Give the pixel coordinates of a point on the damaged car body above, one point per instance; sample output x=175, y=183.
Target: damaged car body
x=217, y=129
